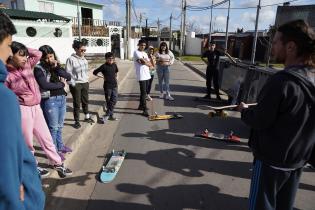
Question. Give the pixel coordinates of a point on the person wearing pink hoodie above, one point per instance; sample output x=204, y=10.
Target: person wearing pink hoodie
x=22, y=82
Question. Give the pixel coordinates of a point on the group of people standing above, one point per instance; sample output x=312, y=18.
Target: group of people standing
x=146, y=64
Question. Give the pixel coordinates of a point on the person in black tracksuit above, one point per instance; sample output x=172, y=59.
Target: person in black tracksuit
x=212, y=73
x=109, y=70
x=283, y=122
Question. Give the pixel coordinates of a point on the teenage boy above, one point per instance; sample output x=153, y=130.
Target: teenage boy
x=283, y=132
x=20, y=186
x=142, y=66
x=109, y=71
x=77, y=66
x=212, y=73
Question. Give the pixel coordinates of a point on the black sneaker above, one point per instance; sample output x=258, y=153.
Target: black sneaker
x=218, y=97
x=89, y=120
x=77, y=125
x=42, y=172
x=207, y=96
x=112, y=118
x=62, y=171
x=145, y=113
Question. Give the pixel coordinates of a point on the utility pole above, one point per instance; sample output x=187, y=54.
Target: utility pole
x=210, y=29
x=181, y=30
x=171, y=34
x=227, y=28
x=146, y=28
x=140, y=28
x=158, y=33
x=256, y=34
x=184, y=27
x=127, y=28
x=79, y=22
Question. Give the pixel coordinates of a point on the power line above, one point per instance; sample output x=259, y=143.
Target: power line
x=196, y=8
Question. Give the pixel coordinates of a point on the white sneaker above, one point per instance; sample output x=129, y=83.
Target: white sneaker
x=149, y=98
x=162, y=95
x=169, y=97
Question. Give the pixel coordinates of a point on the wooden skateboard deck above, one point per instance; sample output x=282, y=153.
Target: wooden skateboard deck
x=165, y=117
x=208, y=135
x=110, y=170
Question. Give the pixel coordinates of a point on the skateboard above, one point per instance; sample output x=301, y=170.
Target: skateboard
x=230, y=138
x=110, y=170
x=164, y=117
x=219, y=110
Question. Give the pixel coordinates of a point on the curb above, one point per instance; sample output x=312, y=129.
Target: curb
x=194, y=69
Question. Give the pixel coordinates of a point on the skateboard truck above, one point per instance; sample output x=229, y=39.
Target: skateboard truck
x=218, y=113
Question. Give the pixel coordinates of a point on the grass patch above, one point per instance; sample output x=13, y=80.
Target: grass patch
x=190, y=58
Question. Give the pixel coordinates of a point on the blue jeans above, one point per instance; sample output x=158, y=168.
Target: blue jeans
x=54, y=109
x=163, y=73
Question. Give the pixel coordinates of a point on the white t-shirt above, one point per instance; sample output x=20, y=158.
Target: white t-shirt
x=142, y=71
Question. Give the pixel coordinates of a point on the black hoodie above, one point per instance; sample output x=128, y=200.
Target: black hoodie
x=283, y=122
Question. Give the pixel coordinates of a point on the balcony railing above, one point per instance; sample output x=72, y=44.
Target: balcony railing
x=92, y=27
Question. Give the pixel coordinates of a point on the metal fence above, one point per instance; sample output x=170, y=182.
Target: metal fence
x=242, y=82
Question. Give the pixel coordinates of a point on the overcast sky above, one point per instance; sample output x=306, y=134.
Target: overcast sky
x=162, y=9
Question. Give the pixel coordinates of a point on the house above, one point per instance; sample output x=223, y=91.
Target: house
x=101, y=36
x=66, y=8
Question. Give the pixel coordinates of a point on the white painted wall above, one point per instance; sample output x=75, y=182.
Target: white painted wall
x=193, y=44
x=62, y=46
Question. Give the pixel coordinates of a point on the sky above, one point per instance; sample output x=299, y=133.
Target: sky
x=162, y=9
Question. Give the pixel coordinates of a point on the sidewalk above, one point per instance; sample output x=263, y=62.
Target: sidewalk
x=197, y=66
x=74, y=137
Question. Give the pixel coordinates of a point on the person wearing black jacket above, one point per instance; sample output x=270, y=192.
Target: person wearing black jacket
x=49, y=75
x=212, y=73
x=283, y=122
x=109, y=70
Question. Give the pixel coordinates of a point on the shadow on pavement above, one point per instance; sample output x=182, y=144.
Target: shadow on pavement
x=183, y=161
x=178, y=197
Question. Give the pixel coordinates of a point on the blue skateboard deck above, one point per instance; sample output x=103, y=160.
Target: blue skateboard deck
x=110, y=170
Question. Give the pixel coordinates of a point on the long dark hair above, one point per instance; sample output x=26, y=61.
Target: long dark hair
x=160, y=49
x=46, y=49
x=18, y=47
x=299, y=32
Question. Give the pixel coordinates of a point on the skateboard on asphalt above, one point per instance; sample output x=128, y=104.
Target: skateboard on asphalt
x=165, y=117
x=218, y=111
x=207, y=135
x=111, y=168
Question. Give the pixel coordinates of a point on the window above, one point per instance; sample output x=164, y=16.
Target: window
x=13, y=4
x=30, y=31
x=46, y=6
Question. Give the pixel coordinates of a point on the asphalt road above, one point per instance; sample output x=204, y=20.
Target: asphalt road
x=166, y=167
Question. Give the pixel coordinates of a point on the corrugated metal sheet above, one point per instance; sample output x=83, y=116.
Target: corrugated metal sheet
x=30, y=15
x=290, y=13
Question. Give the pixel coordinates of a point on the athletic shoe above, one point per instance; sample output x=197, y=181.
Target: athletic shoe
x=89, y=120
x=161, y=95
x=112, y=118
x=149, y=98
x=42, y=172
x=169, y=97
x=77, y=125
x=62, y=157
x=65, y=149
x=207, y=96
x=145, y=113
x=62, y=170
x=218, y=97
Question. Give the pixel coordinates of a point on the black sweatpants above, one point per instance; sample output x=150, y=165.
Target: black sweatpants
x=80, y=94
x=143, y=94
x=149, y=84
x=111, y=100
x=273, y=189
x=212, y=74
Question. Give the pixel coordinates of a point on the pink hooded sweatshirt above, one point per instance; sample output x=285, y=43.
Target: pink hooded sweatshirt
x=22, y=81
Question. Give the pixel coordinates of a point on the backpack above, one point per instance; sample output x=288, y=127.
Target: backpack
x=44, y=93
